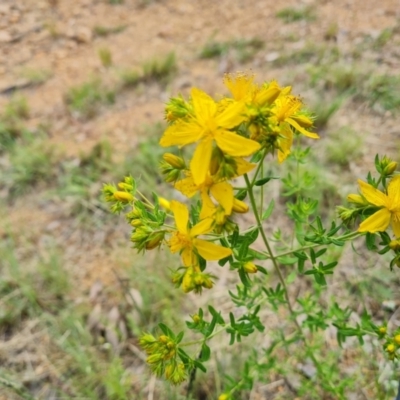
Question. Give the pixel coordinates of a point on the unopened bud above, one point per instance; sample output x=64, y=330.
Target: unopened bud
x=136, y=222
x=223, y=396
x=174, y=161
x=397, y=339
x=125, y=186
x=125, y=197
x=382, y=330
x=196, y=318
x=390, y=168
x=250, y=267
x=240, y=206
x=356, y=199
x=390, y=348
x=154, y=240
x=395, y=244
x=163, y=339
x=172, y=176
x=164, y=203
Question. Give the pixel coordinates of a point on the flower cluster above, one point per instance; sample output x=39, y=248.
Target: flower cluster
x=254, y=121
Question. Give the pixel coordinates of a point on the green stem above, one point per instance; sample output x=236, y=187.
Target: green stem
x=283, y=282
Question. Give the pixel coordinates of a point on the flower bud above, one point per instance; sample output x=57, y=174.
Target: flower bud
x=163, y=339
x=136, y=222
x=250, y=267
x=223, y=396
x=125, y=186
x=174, y=161
x=240, y=206
x=390, y=168
x=391, y=348
x=382, y=330
x=154, y=240
x=172, y=176
x=125, y=197
x=397, y=339
x=356, y=199
x=164, y=203
x=154, y=358
x=395, y=244
x=196, y=318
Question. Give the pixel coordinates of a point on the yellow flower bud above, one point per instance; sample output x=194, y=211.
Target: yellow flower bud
x=303, y=120
x=395, y=244
x=356, y=199
x=125, y=197
x=390, y=168
x=223, y=396
x=174, y=161
x=136, y=222
x=125, y=186
x=154, y=240
x=240, y=206
x=154, y=359
x=163, y=339
x=391, y=348
x=207, y=283
x=164, y=203
x=250, y=267
x=382, y=330
x=196, y=318
x=397, y=339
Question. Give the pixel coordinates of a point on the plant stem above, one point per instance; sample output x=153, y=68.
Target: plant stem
x=283, y=283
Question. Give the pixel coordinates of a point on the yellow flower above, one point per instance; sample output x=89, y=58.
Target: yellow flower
x=390, y=207
x=206, y=125
x=185, y=238
x=240, y=85
x=285, y=115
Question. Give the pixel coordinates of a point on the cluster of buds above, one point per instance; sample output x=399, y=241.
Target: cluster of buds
x=177, y=108
x=385, y=166
x=162, y=357
x=392, y=342
x=192, y=278
x=120, y=196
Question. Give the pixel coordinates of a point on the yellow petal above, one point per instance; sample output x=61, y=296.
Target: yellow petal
x=188, y=257
x=268, y=94
x=232, y=116
x=211, y=251
x=207, y=206
x=223, y=193
x=181, y=215
x=187, y=186
x=235, y=145
x=204, y=106
x=240, y=85
x=243, y=166
x=200, y=163
x=373, y=196
x=181, y=134
x=356, y=199
x=295, y=125
x=285, y=142
x=377, y=222
x=394, y=193
x=396, y=224
x=203, y=226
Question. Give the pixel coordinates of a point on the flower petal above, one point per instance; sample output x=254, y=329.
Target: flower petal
x=187, y=186
x=243, y=166
x=200, y=163
x=394, y=193
x=299, y=128
x=207, y=206
x=223, y=193
x=285, y=142
x=181, y=134
x=204, y=106
x=181, y=215
x=232, y=116
x=377, y=222
x=203, y=226
x=187, y=256
x=211, y=251
x=372, y=195
x=396, y=224
x=235, y=145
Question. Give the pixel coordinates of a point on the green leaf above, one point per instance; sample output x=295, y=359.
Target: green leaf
x=269, y=210
x=287, y=260
x=205, y=353
x=263, y=181
x=200, y=366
